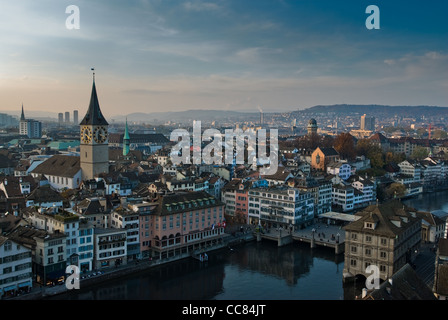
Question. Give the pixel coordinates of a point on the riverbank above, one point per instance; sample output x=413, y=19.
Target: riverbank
x=231, y=239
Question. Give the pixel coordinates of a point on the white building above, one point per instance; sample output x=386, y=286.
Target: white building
x=61, y=171
x=341, y=169
x=412, y=169
x=16, y=267
x=85, y=245
x=127, y=219
x=280, y=206
x=110, y=247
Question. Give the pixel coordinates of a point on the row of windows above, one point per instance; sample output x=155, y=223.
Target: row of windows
x=354, y=263
x=18, y=267
x=109, y=254
x=15, y=257
x=19, y=277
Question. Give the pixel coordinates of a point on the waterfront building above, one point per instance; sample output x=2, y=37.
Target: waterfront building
x=48, y=253
x=124, y=217
x=16, y=267
x=110, y=248
x=184, y=222
x=85, y=245
x=319, y=188
x=412, y=169
x=146, y=226
x=57, y=220
x=234, y=194
x=280, y=206
x=386, y=235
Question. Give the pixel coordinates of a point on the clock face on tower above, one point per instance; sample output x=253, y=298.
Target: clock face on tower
x=86, y=134
x=100, y=134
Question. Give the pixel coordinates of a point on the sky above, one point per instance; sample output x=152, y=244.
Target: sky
x=168, y=55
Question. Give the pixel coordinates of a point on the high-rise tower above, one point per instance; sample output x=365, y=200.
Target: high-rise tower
x=94, y=152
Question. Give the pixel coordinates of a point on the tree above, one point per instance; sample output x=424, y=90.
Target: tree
x=396, y=189
x=419, y=153
x=345, y=145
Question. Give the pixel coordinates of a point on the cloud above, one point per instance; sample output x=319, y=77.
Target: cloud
x=201, y=6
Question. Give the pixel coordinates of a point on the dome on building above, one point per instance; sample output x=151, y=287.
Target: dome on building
x=312, y=122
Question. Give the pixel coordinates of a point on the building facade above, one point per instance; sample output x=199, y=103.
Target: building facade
x=387, y=236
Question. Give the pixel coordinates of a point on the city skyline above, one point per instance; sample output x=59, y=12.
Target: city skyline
x=153, y=56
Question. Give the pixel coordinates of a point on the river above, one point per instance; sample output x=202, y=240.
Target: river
x=251, y=271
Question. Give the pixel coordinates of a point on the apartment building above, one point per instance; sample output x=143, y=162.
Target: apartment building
x=280, y=206
x=15, y=267
x=110, y=247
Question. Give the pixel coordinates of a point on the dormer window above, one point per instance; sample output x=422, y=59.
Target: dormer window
x=369, y=225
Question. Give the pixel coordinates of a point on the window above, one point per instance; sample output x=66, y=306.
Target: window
x=8, y=246
x=383, y=254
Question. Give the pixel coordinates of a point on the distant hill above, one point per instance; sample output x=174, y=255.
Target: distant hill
x=189, y=116
x=341, y=109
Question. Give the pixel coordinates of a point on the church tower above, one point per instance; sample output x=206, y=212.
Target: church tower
x=126, y=140
x=94, y=152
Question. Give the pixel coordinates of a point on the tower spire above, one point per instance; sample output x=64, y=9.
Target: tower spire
x=94, y=115
x=22, y=116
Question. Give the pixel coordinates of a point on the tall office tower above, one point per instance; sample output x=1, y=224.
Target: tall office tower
x=60, y=118
x=75, y=117
x=67, y=117
x=367, y=123
x=261, y=117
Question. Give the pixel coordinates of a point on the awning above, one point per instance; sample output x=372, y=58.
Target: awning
x=10, y=288
x=25, y=284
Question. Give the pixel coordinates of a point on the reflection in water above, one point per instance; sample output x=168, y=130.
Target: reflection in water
x=430, y=201
x=259, y=271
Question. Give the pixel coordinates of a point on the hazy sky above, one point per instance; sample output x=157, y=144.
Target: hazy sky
x=163, y=55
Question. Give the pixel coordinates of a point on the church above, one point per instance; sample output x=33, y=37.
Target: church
x=94, y=152
x=67, y=172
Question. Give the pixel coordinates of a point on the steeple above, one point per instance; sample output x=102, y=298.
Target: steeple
x=126, y=139
x=94, y=115
x=22, y=116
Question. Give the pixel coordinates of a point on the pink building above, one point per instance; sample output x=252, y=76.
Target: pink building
x=185, y=222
